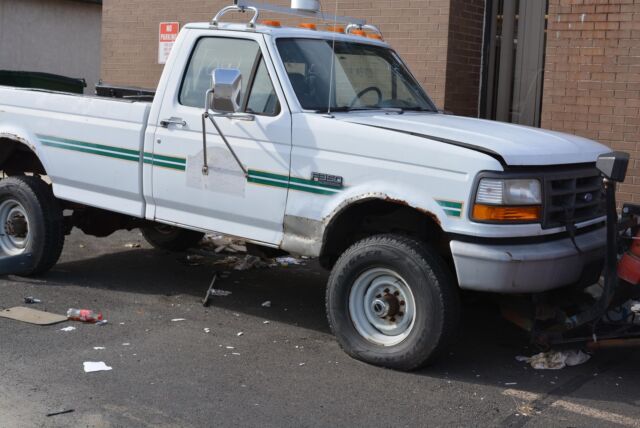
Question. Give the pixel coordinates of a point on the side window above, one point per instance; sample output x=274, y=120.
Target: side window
x=263, y=98
x=211, y=53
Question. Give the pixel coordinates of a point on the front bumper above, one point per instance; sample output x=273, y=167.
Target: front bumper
x=529, y=268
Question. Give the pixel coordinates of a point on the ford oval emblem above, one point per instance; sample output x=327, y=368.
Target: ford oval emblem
x=588, y=197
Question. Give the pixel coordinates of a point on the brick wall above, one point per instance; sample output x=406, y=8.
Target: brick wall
x=417, y=29
x=464, y=56
x=592, y=76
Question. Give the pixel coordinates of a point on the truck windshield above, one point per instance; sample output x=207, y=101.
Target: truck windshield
x=364, y=76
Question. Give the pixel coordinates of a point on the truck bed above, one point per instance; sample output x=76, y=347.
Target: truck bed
x=103, y=138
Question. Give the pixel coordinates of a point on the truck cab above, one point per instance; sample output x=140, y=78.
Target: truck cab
x=318, y=141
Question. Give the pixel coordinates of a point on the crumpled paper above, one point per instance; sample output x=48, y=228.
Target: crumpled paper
x=555, y=360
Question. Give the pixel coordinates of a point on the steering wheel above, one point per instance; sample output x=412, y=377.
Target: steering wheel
x=364, y=91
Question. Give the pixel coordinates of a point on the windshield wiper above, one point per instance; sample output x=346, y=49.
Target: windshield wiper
x=418, y=108
x=346, y=109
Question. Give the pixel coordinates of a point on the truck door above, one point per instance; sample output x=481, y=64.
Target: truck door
x=224, y=200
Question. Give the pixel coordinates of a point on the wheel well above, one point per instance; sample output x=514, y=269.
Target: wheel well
x=17, y=158
x=375, y=216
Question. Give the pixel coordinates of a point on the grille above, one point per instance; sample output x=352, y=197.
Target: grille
x=573, y=197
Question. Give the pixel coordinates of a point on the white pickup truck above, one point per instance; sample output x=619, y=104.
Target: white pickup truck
x=317, y=143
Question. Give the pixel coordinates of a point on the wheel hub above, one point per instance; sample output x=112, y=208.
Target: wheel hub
x=382, y=307
x=16, y=226
x=387, y=306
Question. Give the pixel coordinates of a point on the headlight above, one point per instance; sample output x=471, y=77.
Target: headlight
x=515, y=200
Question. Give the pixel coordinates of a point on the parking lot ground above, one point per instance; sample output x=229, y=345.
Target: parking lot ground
x=285, y=369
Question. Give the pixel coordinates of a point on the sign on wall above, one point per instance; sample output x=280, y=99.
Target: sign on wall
x=168, y=34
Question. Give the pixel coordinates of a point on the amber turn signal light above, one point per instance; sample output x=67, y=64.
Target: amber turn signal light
x=358, y=33
x=529, y=213
x=308, y=25
x=375, y=36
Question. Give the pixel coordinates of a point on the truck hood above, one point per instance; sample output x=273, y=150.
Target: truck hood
x=510, y=144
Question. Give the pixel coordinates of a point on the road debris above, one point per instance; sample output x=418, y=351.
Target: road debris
x=102, y=322
x=31, y=300
x=126, y=344
x=207, y=330
x=210, y=291
x=84, y=315
x=555, y=360
x=222, y=243
x=99, y=348
x=288, y=260
x=70, y=328
x=219, y=292
x=249, y=262
x=60, y=412
x=193, y=259
x=32, y=316
x=265, y=322
x=95, y=366
x=178, y=319
x=266, y=304
x=240, y=333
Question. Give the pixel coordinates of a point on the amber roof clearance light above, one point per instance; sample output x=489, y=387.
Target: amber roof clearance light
x=308, y=26
x=271, y=23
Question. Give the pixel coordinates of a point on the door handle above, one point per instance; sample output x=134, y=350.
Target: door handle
x=173, y=121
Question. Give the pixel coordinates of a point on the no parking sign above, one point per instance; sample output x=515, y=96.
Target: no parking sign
x=168, y=34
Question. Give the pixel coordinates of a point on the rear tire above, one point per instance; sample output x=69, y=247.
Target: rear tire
x=392, y=302
x=170, y=238
x=30, y=223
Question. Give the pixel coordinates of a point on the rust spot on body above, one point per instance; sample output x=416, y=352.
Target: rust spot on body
x=17, y=138
x=428, y=213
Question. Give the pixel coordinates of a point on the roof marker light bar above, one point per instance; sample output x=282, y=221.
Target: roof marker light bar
x=255, y=7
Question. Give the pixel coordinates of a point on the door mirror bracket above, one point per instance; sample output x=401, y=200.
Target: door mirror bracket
x=223, y=100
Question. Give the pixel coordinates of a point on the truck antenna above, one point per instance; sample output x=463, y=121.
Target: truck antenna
x=333, y=58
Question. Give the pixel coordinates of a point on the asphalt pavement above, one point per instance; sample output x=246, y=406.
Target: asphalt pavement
x=239, y=363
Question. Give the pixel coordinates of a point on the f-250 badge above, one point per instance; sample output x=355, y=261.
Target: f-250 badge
x=327, y=180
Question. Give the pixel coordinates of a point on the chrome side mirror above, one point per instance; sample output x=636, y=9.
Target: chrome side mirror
x=226, y=84
x=613, y=165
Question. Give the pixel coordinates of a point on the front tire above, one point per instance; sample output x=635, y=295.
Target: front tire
x=170, y=238
x=392, y=302
x=30, y=223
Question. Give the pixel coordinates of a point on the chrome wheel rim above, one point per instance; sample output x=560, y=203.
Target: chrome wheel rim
x=15, y=233
x=382, y=307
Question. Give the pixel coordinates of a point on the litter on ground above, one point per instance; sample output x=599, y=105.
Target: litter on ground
x=207, y=330
x=555, y=360
x=95, y=366
x=240, y=333
x=30, y=300
x=32, y=316
x=249, y=262
x=288, y=260
x=98, y=348
x=70, y=328
x=266, y=304
x=60, y=412
x=178, y=319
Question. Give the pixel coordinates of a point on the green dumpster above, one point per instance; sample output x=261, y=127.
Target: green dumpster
x=37, y=80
